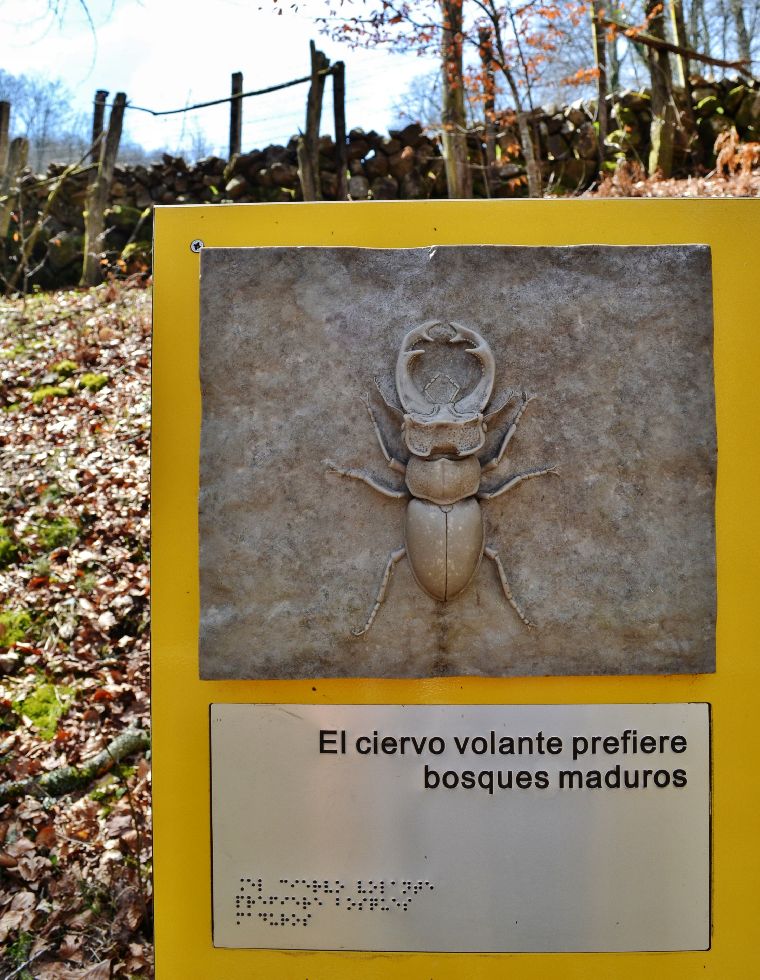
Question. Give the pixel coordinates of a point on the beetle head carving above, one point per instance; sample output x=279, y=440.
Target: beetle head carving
x=437, y=418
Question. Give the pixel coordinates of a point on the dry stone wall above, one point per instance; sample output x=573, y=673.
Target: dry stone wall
x=405, y=164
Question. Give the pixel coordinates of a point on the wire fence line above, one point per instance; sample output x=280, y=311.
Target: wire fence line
x=235, y=100
x=236, y=97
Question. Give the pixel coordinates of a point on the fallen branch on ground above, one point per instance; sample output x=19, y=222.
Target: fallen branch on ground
x=66, y=779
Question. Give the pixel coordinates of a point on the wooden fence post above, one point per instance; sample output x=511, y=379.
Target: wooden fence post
x=308, y=144
x=97, y=194
x=339, y=112
x=5, y=127
x=98, y=114
x=236, y=114
x=17, y=156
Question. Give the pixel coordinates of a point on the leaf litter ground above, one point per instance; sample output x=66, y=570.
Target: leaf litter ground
x=75, y=887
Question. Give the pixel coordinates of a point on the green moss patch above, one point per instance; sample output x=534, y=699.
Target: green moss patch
x=49, y=391
x=64, y=369
x=93, y=382
x=8, y=547
x=44, y=707
x=60, y=532
x=14, y=626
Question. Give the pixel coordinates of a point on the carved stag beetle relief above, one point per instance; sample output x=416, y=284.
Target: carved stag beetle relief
x=444, y=432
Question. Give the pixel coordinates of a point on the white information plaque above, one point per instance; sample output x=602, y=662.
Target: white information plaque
x=488, y=828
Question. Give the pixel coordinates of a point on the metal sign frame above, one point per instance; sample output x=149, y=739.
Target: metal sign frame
x=181, y=701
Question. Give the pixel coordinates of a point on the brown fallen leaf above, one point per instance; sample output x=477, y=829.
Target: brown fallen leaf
x=23, y=901
x=100, y=971
x=71, y=948
x=46, y=836
x=56, y=971
x=16, y=920
x=31, y=867
x=20, y=847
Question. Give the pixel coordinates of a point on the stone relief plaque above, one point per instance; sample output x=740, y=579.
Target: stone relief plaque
x=456, y=460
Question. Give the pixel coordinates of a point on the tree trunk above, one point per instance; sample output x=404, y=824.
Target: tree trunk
x=5, y=127
x=662, y=129
x=694, y=37
x=454, y=120
x=742, y=34
x=689, y=119
x=613, y=60
x=532, y=168
x=485, y=48
x=600, y=57
x=97, y=195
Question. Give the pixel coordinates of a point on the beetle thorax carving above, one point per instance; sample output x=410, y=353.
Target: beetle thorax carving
x=444, y=424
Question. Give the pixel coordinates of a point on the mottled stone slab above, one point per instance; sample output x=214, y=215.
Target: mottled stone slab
x=613, y=560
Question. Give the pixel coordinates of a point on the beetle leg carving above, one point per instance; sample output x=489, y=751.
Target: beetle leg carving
x=390, y=460
x=513, y=482
x=493, y=463
x=490, y=553
x=369, y=480
x=393, y=559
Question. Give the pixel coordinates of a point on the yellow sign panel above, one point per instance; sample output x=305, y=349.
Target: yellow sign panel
x=181, y=701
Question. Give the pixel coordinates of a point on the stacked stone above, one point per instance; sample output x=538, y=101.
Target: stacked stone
x=569, y=144
x=405, y=164
x=721, y=105
x=569, y=140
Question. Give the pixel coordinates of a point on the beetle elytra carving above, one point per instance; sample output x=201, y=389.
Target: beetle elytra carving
x=444, y=432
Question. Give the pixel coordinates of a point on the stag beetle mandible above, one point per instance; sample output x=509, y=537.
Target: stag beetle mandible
x=444, y=533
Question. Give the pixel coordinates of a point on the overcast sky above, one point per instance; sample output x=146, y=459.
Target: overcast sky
x=167, y=53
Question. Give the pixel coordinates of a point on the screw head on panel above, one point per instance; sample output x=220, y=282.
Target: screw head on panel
x=196, y=245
